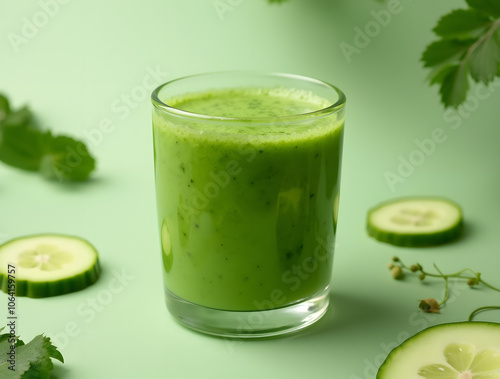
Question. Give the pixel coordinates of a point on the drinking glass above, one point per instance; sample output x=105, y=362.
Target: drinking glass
x=247, y=173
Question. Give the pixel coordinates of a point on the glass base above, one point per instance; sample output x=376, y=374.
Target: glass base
x=248, y=324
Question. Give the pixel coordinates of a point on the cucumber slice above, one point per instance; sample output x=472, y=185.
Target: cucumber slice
x=48, y=265
x=415, y=221
x=462, y=350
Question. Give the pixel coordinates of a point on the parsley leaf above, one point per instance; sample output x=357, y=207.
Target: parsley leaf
x=454, y=86
x=443, y=50
x=484, y=60
x=24, y=146
x=32, y=360
x=469, y=48
x=461, y=23
x=491, y=7
x=441, y=74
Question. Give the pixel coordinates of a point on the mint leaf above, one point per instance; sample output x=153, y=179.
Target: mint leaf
x=28, y=148
x=21, y=147
x=443, y=50
x=32, y=360
x=462, y=23
x=19, y=118
x=454, y=87
x=65, y=158
x=491, y=7
x=56, y=157
x=4, y=107
x=484, y=60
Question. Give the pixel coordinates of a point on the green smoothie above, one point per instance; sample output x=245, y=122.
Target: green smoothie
x=246, y=203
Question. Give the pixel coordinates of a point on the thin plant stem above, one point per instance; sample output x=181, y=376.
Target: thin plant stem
x=445, y=285
x=473, y=278
x=489, y=285
x=482, y=309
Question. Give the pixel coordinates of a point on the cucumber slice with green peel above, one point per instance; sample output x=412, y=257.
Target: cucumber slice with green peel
x=462, y=350
x=47, y=265
x=415, y=221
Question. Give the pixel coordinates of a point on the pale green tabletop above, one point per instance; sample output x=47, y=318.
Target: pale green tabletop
x=79, y=64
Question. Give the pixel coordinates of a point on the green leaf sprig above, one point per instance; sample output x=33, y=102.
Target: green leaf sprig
x=25, y=146
x=430, y=305
x=32, y=360
x=469, y=47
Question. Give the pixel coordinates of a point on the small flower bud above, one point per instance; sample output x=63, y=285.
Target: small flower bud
x=390, y=266
x=471, y=282
x=395, y=259
x=413, y=268
x=397, y=272
x=421, y=276
x=429, y=305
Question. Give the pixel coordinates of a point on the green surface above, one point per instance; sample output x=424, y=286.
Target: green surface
x=89, y=72
x=245, y=210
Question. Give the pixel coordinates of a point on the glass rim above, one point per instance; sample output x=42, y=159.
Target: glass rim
x=333, y=108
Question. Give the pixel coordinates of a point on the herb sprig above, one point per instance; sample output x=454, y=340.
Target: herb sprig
x=431, y=305
x=26, y=146
x=469, y=47
x=31, y=360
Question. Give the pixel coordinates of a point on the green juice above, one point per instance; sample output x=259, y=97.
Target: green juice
x=247, y=207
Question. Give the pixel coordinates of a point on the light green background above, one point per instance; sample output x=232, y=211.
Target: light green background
x=78, y=70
